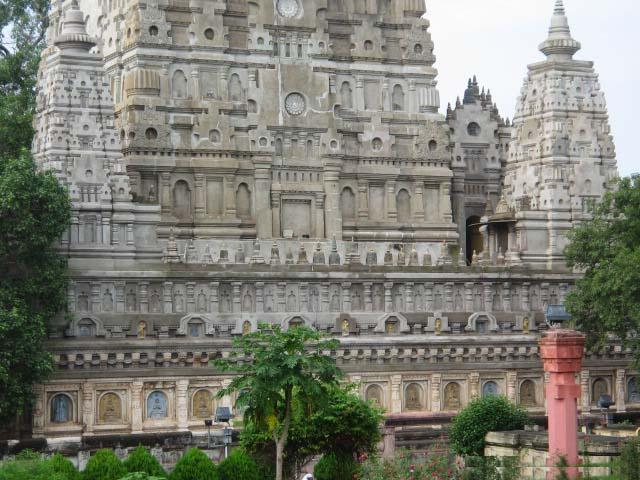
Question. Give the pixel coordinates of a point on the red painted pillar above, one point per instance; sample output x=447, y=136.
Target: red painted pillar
x=561, y=352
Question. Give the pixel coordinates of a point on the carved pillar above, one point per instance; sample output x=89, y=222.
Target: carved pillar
x=324, y=297
x=275, y=214
x=620, y=390
x=388, y=297
x=213, y=297
x=561, y=352
x=230, y=196
x=39, y=410
x=120, y=300
x=320, y=228
x=259, y=297
x=396, y=393
x=363, y=199
x=346, y=297
x=71, y=296
x=488, y=297
x=445, y=202
x=468, y=297
x=448, y=297
x=195, y=84
x=506, y=297
x=418, y=201
x=182, y=404
x=136, y=407
x=191, y=299
x=359, y=97
x=106, y=229
x=165, y=192
x=281, y=294
x=262, y=197
x=144, y=297
x=512, y=388
x=428, y=296
x=585, y=391
x=200, y=206
x=408, y=288
x=368, y=300
x=86, y=411
x=526, y=302
x=96, y=301
x=167, y=297
x=436, y=384
x=333, y=212
x=474, y=385
x=392, y=211
x=236, y=296
x=131, y=240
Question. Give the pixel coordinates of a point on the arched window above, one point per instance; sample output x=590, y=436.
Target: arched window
x=195, y=328
x=235, y=88
x=375, y=395
x=452, y=400
x=489, y=389
x=278, y=149
x=413, y=395
x=309, y=149
x=157, y=405
x=61, y=409
x=473, y=129
x=403, y=204
x=243, y=201
x=528, y=394
x=398, y=98
x=182, y=199
x=600, y=388
x=179, y=85
x=86, y=328
x=348, y=204
x=346, y=95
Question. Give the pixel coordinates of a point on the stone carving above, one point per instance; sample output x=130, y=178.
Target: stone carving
x=413, y=397
x=600, y=387
x=110, y=408
x=107, y=301
x=203, y=404
x=288, y=8
x=154, y=302
x=528, y=394
x=142, y=329
x=292, y=302
x=375, y=396
x=295, y=104
x=633, y=395
x=131, y=301
x=157, y=406
x=202, y=301
x=452, y=400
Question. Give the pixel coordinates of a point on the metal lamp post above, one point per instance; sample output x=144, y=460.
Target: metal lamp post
x=227, y=439
x=208, y=424
x=556, y=316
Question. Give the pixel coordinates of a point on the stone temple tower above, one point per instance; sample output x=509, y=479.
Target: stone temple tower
x=562, y=157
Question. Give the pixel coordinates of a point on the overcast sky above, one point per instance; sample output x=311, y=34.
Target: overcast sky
x=497, y=39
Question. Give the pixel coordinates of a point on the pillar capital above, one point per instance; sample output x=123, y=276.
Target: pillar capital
x=561, y=351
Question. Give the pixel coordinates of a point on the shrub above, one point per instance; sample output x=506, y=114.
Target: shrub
x=238, y=466
x=140, y=460
x=481, y=416
x=29, y=470
x=334, y=467
x=627, y=466
x=140, y=476
x=431, y=467
x=194, y=465
x=491, y=468
x=64, y=467
x=104, y=465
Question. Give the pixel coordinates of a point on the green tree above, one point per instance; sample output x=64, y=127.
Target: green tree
x=285, y=365
x=194, y=465
x=607, y=249
x=483, y=415
x=335, y=467
x=23, y=25
x=34, y=212
x=140, y=460
x=104, y=465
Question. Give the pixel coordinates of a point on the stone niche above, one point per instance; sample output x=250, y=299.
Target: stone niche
x=297, y=218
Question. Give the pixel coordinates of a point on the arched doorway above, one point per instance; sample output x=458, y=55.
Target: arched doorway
x=474, y=237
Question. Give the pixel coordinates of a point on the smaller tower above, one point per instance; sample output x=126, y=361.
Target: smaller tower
x=562, y=157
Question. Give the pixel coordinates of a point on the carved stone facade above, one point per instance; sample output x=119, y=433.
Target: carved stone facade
x=236, y=162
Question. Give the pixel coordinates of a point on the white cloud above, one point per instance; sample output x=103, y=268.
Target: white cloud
x=496, y=39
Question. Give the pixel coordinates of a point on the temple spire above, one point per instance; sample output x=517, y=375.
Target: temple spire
x=559, y=45
x=74, y=35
